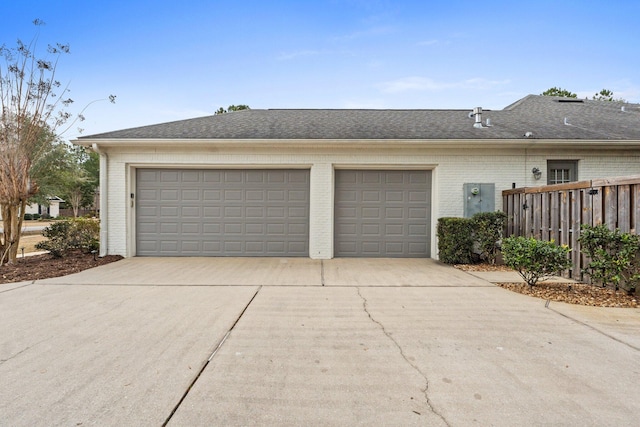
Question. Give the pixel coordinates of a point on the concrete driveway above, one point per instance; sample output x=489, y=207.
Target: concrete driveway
x=210, y=341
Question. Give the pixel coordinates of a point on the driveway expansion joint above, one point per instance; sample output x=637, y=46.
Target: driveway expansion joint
x=593, y=328
x=425, y=390
x=18, y=287
x=206, y=362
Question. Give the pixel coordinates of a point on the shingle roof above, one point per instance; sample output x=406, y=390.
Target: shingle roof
x=545, y=117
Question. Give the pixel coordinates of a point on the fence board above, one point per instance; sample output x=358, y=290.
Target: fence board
x=537, y=215
x=624, y=201
x=546, y=214
x=574, y=243
x=610, y=206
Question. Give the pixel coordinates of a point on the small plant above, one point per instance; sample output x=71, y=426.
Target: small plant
x=487, y=231
x=534, y=259
x=28, y=217
x=64, y=236
x=455, y=240
x=614, y=257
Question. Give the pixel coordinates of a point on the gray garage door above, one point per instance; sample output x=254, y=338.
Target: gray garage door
x=382, y=213
x=222, y=212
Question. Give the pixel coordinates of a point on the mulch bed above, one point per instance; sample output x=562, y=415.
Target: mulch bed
x=575, y=293
x=571, y=293
x=45, y=266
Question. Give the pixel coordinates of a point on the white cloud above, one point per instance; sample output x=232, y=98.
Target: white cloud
x=422, y=84
x=371, y=32
x=286, y=56
x=432, y=42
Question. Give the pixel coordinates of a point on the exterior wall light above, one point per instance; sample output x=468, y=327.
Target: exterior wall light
x=537, y=173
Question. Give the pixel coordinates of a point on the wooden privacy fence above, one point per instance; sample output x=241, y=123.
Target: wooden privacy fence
x=556, y=212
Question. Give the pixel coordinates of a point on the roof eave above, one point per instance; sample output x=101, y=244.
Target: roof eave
x=430, y=143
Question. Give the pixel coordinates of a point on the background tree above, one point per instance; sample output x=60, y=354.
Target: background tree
x=232, y=108
x=607, y=95
x=33, y=107
x=556, y=91
x=78, y=182
x=603, y=95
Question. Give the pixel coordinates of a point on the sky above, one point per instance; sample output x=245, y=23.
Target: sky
x=174, y=60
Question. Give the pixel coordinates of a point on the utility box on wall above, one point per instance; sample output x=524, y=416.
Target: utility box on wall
x=478, y=198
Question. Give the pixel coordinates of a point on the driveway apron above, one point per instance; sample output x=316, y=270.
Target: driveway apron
x=296, y=341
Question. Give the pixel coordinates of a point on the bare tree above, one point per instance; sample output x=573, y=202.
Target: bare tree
x=33, y=109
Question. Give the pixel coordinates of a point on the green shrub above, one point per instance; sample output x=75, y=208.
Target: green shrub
x=64, y=236
x=36, y=216
x=487, y=233
x=455, y=240
x=28, y=217
x=614, y=257
x=533, y=259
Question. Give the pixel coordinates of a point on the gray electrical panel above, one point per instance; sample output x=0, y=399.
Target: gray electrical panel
x=478, y=198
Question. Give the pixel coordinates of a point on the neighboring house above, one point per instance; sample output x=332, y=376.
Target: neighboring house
x=52, y=211
x=343, y=183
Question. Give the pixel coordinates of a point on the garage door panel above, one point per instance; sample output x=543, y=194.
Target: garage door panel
x=148, y=195
x=167, y=177
x=418, y=213
x=254, y=212
x=297, y=212
x=275, y=229
x=368, y=213
x=211, y=195
x=233, y=195
x=254, y=228
x=297, y=229
x=211, y=228
x=297, y=195
x=382, y=213
x=190, y=212
x=256, y=247
x=222, y=212
x=277, y=177
x=169, y=211
x=275, y=195
x=417, y=196
x=370, y=177
x=231, y=177
x=212, y=212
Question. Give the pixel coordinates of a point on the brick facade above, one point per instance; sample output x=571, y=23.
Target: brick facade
x=451, y=168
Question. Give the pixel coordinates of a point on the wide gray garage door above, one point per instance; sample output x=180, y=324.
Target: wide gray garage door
x=222, y=212
x=382, y=213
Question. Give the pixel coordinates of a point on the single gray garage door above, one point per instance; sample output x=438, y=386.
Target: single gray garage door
x=382, y=213
x=222, y=212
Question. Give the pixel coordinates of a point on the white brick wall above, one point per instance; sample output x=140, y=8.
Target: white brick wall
x=451, y=169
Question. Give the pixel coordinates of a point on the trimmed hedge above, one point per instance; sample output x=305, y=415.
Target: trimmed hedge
x=487, y=232
x=455, y=240
x=464, y=240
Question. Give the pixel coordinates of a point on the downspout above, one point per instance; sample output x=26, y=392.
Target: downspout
x=104, y=211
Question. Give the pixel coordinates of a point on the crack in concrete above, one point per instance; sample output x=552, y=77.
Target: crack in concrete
x=13, y=356
x=425, y=390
